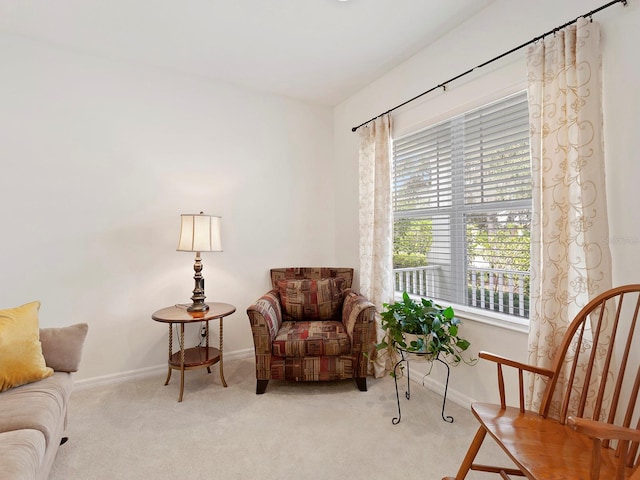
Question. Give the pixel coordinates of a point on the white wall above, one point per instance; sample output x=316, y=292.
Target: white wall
x=503, y=25
x=99, y=159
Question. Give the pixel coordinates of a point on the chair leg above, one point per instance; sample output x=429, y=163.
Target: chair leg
x=362, y=383
x=261, y=386
x=465, y=466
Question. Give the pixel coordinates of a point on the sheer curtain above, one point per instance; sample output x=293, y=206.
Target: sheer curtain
x=376, y=222
x=570, y=257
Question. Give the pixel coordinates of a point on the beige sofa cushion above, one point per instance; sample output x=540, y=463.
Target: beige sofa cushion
x=38, y=406
x=21, y=454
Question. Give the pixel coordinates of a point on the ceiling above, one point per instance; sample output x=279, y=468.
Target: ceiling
x=320, y=51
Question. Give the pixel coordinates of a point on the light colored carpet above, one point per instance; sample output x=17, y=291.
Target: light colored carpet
x=137, y=430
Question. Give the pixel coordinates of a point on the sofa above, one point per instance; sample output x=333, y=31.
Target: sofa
x=311, y=326
x=33, y=408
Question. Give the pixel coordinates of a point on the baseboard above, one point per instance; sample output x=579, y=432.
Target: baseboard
x=119, y=377
x=419, y=375
x=418, y=372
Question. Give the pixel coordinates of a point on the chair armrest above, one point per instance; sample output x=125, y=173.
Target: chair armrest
x=512, y=363
x=599, y=431
x=521, y=367
x=358, y=317
x=265, y=316
x=62, y=347
x=602, y=430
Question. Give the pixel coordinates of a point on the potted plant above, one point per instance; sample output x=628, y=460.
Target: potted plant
x=423, y=328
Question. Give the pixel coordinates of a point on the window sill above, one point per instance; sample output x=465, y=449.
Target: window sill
x=495, y=319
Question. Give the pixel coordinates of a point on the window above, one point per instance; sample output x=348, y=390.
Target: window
x=462, y=209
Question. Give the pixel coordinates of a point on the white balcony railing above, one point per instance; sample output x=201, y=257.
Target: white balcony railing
x=505, y=291
x=417, y=280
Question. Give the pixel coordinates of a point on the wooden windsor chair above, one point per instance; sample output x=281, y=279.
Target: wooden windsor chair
x=597, y=432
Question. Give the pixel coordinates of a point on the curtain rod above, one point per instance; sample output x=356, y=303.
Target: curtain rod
x=443, y=85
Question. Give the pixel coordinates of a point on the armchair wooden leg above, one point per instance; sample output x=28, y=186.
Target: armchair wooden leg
x=362, y=383
x=261, y=386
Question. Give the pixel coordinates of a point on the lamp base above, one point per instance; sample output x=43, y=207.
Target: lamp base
x=198, y=307
x=198, y=297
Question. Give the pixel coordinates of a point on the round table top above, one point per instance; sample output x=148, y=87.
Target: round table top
x=179, y=313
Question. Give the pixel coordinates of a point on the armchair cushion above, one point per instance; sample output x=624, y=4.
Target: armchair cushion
x=311, y=273
x=312, y=299
x=311, y=339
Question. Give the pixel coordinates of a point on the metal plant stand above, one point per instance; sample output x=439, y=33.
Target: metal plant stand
x=407, y=393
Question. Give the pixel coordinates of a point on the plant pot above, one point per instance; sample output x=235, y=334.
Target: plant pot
x=422, y=354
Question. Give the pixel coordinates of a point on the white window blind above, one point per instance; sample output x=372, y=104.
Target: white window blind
x=462, y=209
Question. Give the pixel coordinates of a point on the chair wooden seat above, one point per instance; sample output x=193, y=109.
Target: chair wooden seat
x=595, y=432
x=542, y=447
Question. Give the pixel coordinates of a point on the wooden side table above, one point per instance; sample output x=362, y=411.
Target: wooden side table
x=196, y=357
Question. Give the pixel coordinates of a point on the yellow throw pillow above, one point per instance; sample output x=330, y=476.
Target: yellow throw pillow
x=21, y=359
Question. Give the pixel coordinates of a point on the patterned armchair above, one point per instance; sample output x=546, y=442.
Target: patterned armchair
x=312, y=327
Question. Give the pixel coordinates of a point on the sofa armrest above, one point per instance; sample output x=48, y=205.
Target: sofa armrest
x=62, y=347
x=265, y=316
x=358, y=317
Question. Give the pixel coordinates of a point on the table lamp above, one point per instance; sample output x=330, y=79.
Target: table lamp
x=199, y=233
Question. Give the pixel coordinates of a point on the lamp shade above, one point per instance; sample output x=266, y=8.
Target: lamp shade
x=199, y=233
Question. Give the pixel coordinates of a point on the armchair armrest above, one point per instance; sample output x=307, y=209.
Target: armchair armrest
x=62, y=347
x=521, y=367
x=358, y=317
x=265, y=316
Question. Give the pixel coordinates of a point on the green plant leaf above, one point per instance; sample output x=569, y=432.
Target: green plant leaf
x=436, y=324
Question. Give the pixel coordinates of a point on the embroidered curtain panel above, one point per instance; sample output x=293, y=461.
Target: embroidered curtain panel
x=376, y=221
x=570, y=257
